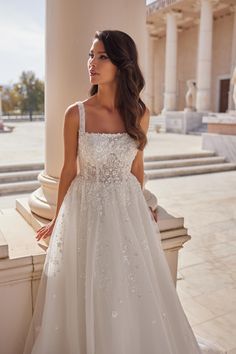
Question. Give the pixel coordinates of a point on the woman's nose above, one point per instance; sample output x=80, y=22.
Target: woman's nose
x=93, y=59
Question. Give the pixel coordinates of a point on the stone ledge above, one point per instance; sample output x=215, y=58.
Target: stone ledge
x=26, y=259
x=221, y=123
x=222, y=118
x=4, y=252
x=166, y=220
x=221, y=144
x=182, y=122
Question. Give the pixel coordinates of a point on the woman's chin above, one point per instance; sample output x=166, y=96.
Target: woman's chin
x=93, y=80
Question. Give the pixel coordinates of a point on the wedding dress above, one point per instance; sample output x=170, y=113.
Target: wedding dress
x=106, y=287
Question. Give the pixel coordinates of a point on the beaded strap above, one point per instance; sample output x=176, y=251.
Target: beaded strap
x=82, y=117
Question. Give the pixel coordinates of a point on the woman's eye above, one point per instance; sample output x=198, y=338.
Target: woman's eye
x=103, y=57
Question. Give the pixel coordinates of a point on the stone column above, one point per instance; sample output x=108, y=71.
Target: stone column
x=203, y=100
x=1, y=120
x=0, y=101
x=233, y=59
x=171, y=62
x=70, y=26
x=150, y=68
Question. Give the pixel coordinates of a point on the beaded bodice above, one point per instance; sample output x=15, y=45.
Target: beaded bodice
x=104, y=157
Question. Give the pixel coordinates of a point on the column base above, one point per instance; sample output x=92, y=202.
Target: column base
x=203, y=103
x=43, y=201
x=169, y=102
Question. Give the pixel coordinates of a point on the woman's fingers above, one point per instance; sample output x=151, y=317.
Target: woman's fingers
x=44, y=231
x=41, y=233
x=45, y=235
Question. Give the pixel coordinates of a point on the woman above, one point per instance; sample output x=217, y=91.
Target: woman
x=106, y=286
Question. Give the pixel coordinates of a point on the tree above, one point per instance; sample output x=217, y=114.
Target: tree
x=26, y=96
x=31, y=91
x=10, y=100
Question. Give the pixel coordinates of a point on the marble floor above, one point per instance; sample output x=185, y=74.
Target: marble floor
x=207, y=264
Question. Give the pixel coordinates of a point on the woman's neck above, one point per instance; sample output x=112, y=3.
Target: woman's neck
x=106, y=97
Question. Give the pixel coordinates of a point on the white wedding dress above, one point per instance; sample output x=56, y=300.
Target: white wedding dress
x=106, y=286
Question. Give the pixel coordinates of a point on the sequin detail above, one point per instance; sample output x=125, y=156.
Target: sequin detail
x=105, y=158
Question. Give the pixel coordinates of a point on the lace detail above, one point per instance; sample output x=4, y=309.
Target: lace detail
x=106, y=158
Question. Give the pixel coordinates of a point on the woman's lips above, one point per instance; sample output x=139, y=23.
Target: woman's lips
x=91, y=73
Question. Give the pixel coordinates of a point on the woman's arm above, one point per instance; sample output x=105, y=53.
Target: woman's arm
x=137, y=166
x=69, y=169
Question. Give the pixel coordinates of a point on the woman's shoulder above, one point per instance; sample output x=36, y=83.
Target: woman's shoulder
x=72, y=109
x=72, y=115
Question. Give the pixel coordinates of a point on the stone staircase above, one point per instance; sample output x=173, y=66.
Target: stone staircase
x=185, y=164
x=22, y=178
x=19, y=178
x=198, y=131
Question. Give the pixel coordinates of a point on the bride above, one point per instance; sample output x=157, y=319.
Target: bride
x=105, y=286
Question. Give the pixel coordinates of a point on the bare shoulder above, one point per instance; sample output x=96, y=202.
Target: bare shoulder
x=90, y=103
x=72, y=116
x=144, y=122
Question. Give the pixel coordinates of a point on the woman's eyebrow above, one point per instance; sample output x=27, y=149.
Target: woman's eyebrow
x=92, y=51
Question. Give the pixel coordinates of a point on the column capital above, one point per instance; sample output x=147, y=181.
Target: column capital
x=151, y=30
x=178, y=14
x=198, y=3
x=150, y=27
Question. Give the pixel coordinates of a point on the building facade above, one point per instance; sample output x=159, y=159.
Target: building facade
x=191, y=40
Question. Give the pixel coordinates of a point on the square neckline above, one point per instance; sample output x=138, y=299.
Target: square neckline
x=94, y=133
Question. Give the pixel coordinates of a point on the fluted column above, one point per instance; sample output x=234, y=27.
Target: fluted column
x=233, y=59
x=70, y=26
x=150, y=38
x=171, y=62
x=0, y=101
x=203, y=101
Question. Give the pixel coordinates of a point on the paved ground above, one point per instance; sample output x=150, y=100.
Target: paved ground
x=207, y=264
x=24, y=145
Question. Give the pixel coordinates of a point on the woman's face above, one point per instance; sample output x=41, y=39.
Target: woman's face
x=101, y=69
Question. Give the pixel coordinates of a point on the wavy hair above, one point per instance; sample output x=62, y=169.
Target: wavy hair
x=122, y=51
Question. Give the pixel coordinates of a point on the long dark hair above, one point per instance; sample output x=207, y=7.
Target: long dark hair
x=122, y=51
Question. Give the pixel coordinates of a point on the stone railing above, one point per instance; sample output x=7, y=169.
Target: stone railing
x=159, y=4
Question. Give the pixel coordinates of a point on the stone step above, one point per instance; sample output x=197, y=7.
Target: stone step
x=21, y=167
x=18, y=187
x=18, y=176
x=19, y=235
x=193, y=170
x=179, y=156
x=184, y=162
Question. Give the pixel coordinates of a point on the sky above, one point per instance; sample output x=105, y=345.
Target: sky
x=22, y=38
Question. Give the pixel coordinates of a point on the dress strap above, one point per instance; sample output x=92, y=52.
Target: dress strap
x=82, y=117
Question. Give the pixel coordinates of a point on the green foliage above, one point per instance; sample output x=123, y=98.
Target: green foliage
x=25, y=97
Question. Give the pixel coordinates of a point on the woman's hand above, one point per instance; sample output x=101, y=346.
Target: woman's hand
x=153, y=214
x=46, y=230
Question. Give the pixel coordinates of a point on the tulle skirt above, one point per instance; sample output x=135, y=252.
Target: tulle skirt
x=106, y=287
